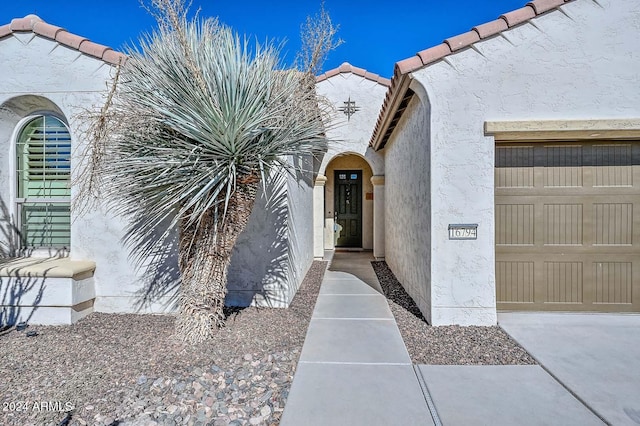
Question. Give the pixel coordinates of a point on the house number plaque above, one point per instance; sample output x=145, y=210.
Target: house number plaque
x=467, y=231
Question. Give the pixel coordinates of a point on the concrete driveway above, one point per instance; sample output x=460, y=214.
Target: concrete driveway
x=595, y=356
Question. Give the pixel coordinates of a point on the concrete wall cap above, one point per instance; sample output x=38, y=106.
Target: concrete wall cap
x=56, y=267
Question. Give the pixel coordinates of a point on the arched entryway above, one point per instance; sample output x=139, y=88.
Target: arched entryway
x=349, y=205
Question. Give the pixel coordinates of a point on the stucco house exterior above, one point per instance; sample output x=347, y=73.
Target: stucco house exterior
x=497, y=170
x=72, y=261
x=528, y=127
x=505, y=164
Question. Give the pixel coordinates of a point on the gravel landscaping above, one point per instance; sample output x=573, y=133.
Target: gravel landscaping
x=129, y=370
x=124, y=370
x=450, y=345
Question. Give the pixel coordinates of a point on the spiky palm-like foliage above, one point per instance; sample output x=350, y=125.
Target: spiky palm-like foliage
x=198, y=119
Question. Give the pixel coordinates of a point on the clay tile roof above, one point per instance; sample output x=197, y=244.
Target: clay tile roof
x=345, y=67
x=348, y=68
x=70, y=40
x=36, y=25
x=519, y=16
x=433, y=53
x=46, y=30
x=330, y=73
x=541, y=6
x=5, y=30
x=491, y=28
x=24, y=24
x=114, y=57
x=399, y=93
x=463, y=40
x=407, y=65
x=93, y=49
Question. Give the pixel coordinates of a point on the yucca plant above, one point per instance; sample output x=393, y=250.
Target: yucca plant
x=196, y=121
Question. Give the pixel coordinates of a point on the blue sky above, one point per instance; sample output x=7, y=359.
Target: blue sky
x=377, y=34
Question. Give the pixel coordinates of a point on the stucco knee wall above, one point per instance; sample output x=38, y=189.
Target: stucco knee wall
x=407, y=205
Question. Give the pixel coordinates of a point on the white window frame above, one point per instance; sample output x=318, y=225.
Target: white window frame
x=18, y=201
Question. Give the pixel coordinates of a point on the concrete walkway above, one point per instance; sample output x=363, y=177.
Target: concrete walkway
x=354, y=369
x=596, y=356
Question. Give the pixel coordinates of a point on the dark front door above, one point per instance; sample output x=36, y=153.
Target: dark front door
x=348, y=208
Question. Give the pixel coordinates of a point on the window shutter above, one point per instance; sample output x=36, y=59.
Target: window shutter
x=44, y=159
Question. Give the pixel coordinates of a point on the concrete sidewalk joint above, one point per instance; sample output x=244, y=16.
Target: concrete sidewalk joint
x=427, y=397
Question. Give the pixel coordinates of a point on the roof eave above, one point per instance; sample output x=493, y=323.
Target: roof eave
x=398, y=90
x=361, y=72
x=402, y=77
x=33, y=23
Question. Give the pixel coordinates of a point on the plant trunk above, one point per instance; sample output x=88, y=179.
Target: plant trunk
x=204, y=259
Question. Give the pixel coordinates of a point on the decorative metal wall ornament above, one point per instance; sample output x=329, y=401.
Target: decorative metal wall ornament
x=349, y=108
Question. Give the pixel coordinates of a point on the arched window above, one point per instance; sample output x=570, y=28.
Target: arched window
x=43, y=176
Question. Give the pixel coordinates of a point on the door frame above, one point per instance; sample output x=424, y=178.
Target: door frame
x=336, y=195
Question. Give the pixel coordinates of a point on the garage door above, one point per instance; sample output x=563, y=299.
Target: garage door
x=568, y=226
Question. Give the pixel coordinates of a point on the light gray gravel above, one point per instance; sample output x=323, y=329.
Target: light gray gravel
x=446, y=345
x=129, y=370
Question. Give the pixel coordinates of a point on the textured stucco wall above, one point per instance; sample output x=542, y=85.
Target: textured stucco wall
x=578, y=63
x=407, y=204
x=274, y=253
x=43, y=76
x=351, y=136
x=300, y=241
x=39, y=75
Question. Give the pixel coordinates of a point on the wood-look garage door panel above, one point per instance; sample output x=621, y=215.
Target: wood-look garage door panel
x=516, y=224
x=586, y=283
x=515, y=281
x=568, y=226
x=613, y=282
x=613, y=224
